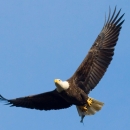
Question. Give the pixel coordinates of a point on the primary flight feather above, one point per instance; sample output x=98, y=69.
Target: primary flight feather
x=75, y=90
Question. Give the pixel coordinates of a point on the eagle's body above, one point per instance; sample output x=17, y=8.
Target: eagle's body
x=75, y=96
x=75, y=90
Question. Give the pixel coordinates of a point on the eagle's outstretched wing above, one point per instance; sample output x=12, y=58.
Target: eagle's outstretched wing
x=100, y=55
x=44, y=101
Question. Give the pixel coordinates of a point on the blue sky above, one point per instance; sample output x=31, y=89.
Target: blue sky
x=43, y=40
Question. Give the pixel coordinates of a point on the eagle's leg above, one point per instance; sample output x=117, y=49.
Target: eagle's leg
x=89, y=101
x=83, y=108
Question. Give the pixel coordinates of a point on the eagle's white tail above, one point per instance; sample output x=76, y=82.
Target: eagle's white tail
x=91, y=110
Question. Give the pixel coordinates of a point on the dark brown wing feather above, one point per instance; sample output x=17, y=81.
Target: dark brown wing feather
x=44, y=101
x=100, y=55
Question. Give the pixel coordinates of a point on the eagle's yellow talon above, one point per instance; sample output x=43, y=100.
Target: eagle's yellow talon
x=83, y=108
x=89, y=101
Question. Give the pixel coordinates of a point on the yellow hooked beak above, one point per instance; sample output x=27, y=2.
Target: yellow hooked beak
x=56, y=81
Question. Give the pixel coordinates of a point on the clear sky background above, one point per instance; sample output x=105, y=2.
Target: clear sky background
x=47, y=39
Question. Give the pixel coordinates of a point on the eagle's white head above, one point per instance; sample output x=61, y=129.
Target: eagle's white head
x=61, y=85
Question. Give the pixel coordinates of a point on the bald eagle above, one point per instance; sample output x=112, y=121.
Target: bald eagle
x=75, y=90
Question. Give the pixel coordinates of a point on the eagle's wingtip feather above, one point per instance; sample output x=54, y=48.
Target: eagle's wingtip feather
x=3, y=99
